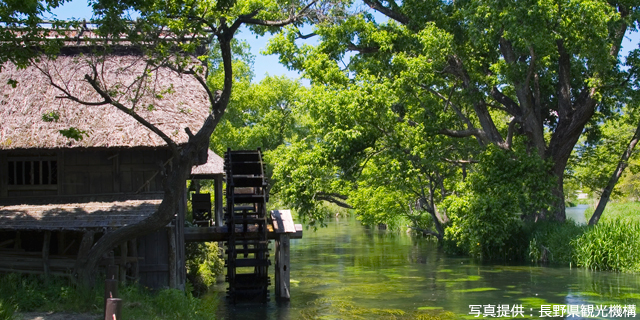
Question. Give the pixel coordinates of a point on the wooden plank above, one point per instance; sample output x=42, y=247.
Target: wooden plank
x=282, y=221
x=46, y=245
x=181, y=276
x=282, y=277
x=218, y=207
x=203, y=234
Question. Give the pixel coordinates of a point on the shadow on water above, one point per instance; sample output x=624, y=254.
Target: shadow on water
x=346, y=271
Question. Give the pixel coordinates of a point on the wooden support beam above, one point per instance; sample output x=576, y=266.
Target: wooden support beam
x=217, y=200
x=46, y=245
x=202, y=234
x=172, y=257
x=283, y=279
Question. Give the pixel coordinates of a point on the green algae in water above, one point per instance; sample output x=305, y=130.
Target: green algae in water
x=430, y=308
x=533, y=302
x=476, y=290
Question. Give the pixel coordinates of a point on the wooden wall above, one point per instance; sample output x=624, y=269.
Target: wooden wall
x=108, y=175
x=89, y=172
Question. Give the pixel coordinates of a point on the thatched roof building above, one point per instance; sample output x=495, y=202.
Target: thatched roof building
x=57, y=192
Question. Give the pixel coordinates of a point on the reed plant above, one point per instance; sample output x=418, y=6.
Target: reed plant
x=610, y=245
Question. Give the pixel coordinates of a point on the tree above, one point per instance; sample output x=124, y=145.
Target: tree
x=507, y=74
x=169, y=35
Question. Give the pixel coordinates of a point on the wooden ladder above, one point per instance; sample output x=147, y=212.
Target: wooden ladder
x=247, y=246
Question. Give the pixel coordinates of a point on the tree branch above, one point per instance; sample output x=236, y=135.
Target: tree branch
x=334, y=198
x=96, y=86
x=389, y=12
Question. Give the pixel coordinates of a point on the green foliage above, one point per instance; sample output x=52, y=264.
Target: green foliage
x=490, y=205
x=610, y=245
x=261, y=115
x=32, y=293
x=52, y=116
x=13, y=83
x=204, y=265
x=550, y=241
x=6, y=310
x=142, y=304
x=597, y=154
x=74, y=133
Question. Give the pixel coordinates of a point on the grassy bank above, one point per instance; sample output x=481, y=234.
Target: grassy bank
x=617, y=211
x=611, y=245
x=25, y=293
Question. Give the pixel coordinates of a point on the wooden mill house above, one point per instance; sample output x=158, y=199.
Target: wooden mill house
x=59, y=195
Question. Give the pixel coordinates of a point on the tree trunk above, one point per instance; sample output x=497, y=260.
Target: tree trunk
x=176, y=182
x=622, y=164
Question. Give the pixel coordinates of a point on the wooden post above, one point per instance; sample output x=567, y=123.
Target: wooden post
x=110, y=292
x=46, y=244
x=124, y=253
x=113, y=309
x=283, y=279
x=172, y=257
x=112, y=272
x=283, y=226
x=110, y=289
x=217, y=200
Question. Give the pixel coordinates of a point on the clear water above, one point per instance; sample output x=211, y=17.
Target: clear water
x=345, y=271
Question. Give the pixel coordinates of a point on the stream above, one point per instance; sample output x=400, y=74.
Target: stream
x=347, y=271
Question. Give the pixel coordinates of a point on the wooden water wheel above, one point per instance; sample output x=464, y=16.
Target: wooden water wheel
x=246, y=219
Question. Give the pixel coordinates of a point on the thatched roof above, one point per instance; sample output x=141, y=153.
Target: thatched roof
x=213, y=167
x=76, y=216
x=177, y=102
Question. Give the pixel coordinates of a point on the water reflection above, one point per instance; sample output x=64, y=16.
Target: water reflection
x=346, y=271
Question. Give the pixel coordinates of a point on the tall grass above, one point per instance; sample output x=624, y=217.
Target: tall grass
x=610, y=245
x=550, y=241
x=23, y=293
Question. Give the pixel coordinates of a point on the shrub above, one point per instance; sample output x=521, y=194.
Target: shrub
x=488, y=208
x=203, y=265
